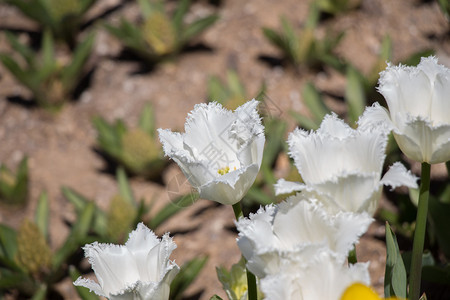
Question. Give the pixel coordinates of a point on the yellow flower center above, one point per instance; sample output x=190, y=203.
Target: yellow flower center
x=359, y=291
x=224, y=170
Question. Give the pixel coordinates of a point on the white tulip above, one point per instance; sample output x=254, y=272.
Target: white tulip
x=296, y=225
x=140, y=269
x=220, y=152
x=319, y=275
x=341, y=166
x=419, y=109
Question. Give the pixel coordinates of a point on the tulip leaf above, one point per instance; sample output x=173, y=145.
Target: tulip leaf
x=354, y=95
x=171, y=209
x=83, y=292
x=41, y=293
x=124, y=186
x=314, y=102
x=76, y=237
x=395, y=273
x=80, y=202
x=197, y=27
x=188, y=272
x=42, y=214
x=215, y=297
x=147, y=120
x=8, y=242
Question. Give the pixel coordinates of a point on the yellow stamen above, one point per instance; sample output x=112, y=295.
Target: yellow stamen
x=224, y=171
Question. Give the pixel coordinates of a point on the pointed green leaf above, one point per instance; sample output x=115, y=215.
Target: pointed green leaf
x=76, y=237
x=235, y=85
x=147, y=120
x=305, y=122
x=178, y=16
x=354, y=95
x=395, y=273
x=71, y=73
x=42, y=214
x=8, y=242
x=188, y=273
x=171, y=209
x=215, y=297
x=314, y=101
x=217, y=91
x=25, y=51
x=41, y=293
x=124, y=186
x=196, y=27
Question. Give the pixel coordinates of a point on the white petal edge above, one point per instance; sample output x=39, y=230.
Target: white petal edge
x=286, y=187
x=398, y=175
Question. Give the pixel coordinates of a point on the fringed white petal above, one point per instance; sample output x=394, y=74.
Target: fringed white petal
x=286, y=187
x=91, y=285
x=398, y=175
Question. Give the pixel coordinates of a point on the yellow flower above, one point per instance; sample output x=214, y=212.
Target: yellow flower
x=359, y=291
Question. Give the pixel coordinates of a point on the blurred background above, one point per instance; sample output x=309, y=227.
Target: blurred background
x=84, y=84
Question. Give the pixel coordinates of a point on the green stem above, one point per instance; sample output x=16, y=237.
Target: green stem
x=419, y=234
x=352, y=259
x=237, y=211
x=251, y=279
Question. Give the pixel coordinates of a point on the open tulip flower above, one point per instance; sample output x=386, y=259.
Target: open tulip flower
x=341, y=166
x=221, y=151
x=419, y=109
x=296, y=225
x=319, y=275
x=140, y=269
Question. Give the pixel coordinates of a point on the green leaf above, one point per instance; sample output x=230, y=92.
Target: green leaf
x=124, y=186
x=178, y=16
x=235, y=85
x=145, y=7
x=25, y=51
x=109, y=137
x=171, y=209
x=215, y=297
x=415, y=58
x=48, y=55
x=41, y=293
x=354, y=95
x=197, y=27
x=188, y=273
x=395, y=274
x=71, y=73
x=76, y=237
x=314, y=102
x=8, y=242
x=304, y=122
x=147, y=120
x=83, y=292
x=80, y=202
x=217, y=91
x=42, y=214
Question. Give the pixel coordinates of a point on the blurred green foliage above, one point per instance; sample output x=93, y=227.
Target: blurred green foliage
x=27, y=264
x=52, y=79
x=232, y=93
x=14, y=187
x=302, y=48
x=62, y=18
x=138, y=150
x=160, y=36
x=335, y=7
